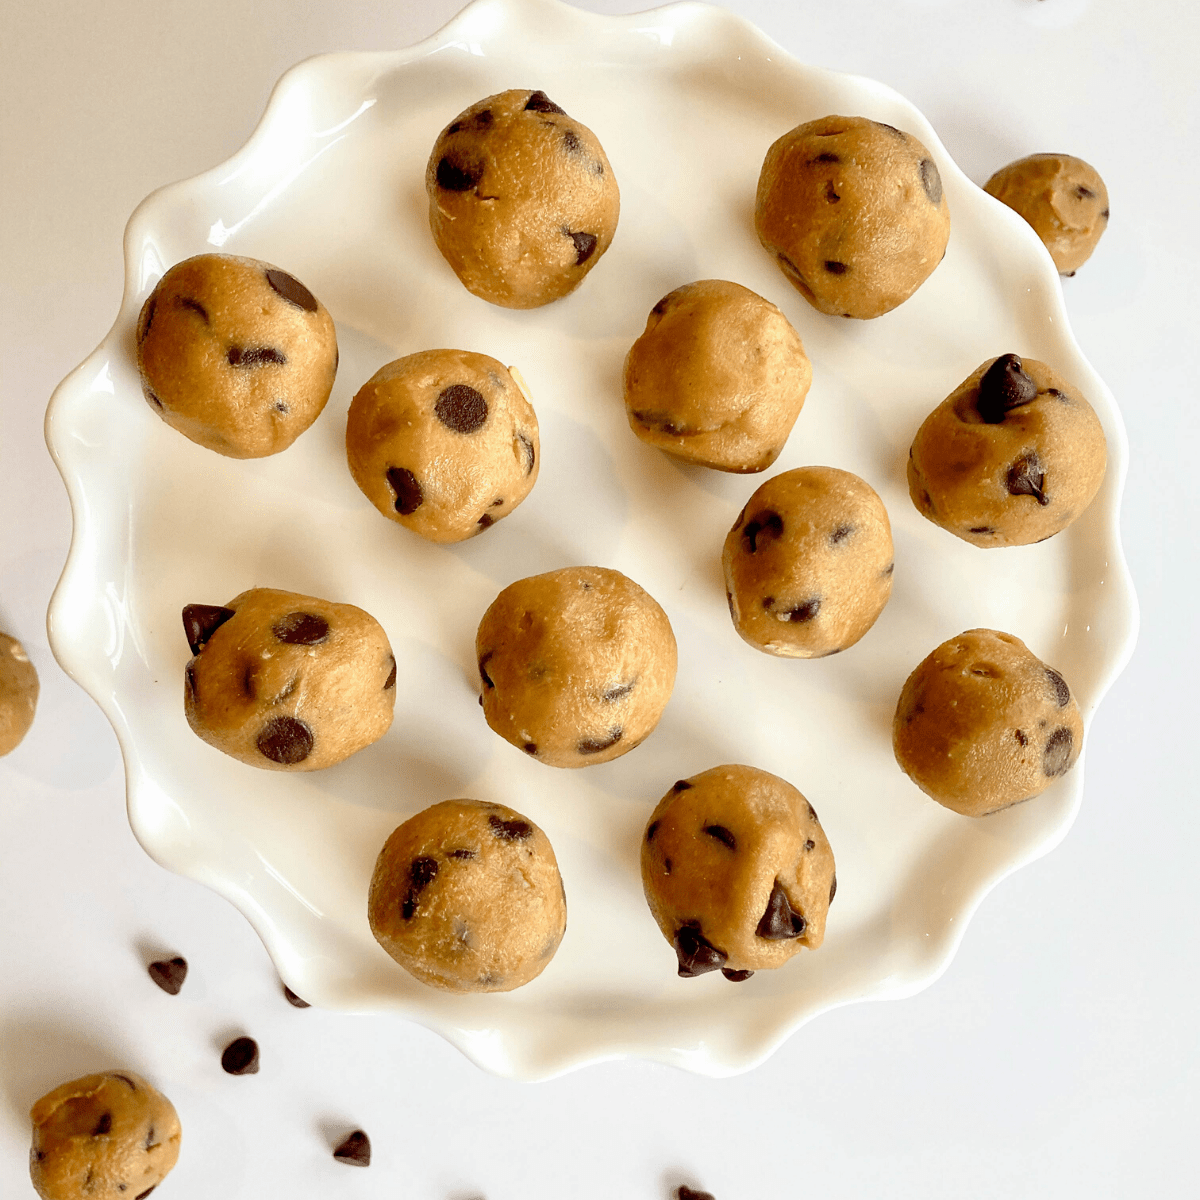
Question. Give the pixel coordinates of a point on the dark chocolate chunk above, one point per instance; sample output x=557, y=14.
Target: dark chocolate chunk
x=194, y=306
x=931, y=180
x=462, y=855
x=293, y=999
x=585, y=245
x=619, y=692
x=510, y=831
x=256, y=356
x=571, y=141
x=409, y=496
x=540, y=102
x=840, y=534
x=696, y=953
x=1026, y=478
x=487, y=679
x=285, y=740
x=201, y=621
x=1062, y=693
x=530, y=748
x=723, y=835
x=291, y=289
x=651, y=830
x=1084, y=193
x=456, y=174
x=681, y=785
x=461, y=408
x=1004, y=386
x=527, y=446
x=240, y=1057
x=390, y=682
x=103, y=1126
x=420, y=875
x=736, y=976
x=169, y=974
x=301, y=629
x=832, y=889
x=780, y=922
x=355, y=1151
x=486, y=521
x=595, y=745
x=146, y=317
x=768, y=523
x=1024, y=741
x=836, y=268
x=1056, y=758
x=830, y=195
x=805, y=612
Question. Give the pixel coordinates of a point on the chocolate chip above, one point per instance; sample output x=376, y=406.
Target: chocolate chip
x=1062, y=693
x=540, y=102
x=595, y=745
x=301, y=629
x=835, y=268
x=420, y=875
x=152, y=397
x=293, y=999
x=810, y=844
x=830, y=195
x=723, y=835
x=840, y=534
x=1004, y=386
x=1104, y=214
x=684, y=1192
x=487, y=680
x=585, y=245
x=256, y=356
x=1056, y=758
x=804, y=612
x=681, y=785
x=666, y=866
x=661, y=306
x=812, y=812
x=481, y=120
x=510, y=831
x=530, y=748
x=1021, y=737
x=735, y=977
x=888, y=570
x=291, y=289
x=103, y=1126
x=1084, y=193
x=981, y=529
x=455, y=174
x=618, y=693
x=194, y=306
x=651, y=830
x=462, y=855
x=169, y=974
x=931, y=180
x=461, y=408
x=409, y=496
x=355, y=1151
x=527, y=446
x=832, y=889
x=827, y=157
x=146, y=317
x=285, y=740
x=890, y=128
x=780, y=922
x=696, y=953
x=150, y=1143
x=240, y=1057
x=486, y=521
x=143, y=1195
x=499, y=500
x=249, y=687
x=201, y=621
x=766, y=523
x=1026, y=478
x=281, y=406
x=571, y=141
x=124, y=1079
x=390, y=682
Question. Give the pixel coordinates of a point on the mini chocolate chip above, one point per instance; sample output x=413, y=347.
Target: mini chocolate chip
x=150, y=1143
x=240, y=1057
x=249, y=687
x=256, y=356
x=301, y=629
x=683, y=1192
x=285, y=740
x=420, y=875
x=1104, y=214
x=840, y=534
x=355, y=1151
x=619, y=692
x=812, y=812
x=1068, y=274
x=1021, y=737
x=510, y=831
x=194, y=305
x=836, y=268
x=281, y=406
x=147, y=317
x=530, y=748
x=889, y=569
x=1062, y=693
x=486, y=521
x=461, y=408
x=681, y=785
x=499, y=500
x=143, y=1195
x=981, y=529
x=780, y=922
x=39, y=1155
x=1084, y=193
x=736, y=976
x=890, y=128
x=596, y=745
x=169, y=974
x=827, y=157
x=454, y=174
x=723, y=835
x=804, y=612
x=487, y=680
x=832, y=889
x=1004, y=386
x=1056, y=758
x=291, y=289
x=696, y=953
x=483, y=119
x=527, y=446
x=201, y=621
x=462, y=855
x=931, y=180
x=661, y=306
x=124, y=1079
x=103, y=1126
x=661, y=421
x=293, y=999
x=539, y=102
x=585, y=245
x=390, y=682
x=651, y=830
x=666, y=866
x=1026, y=478
x=151, y=397
x=766, y=523
x=809, y=844
x=409, y=496
x=571, y=141
x=830, y=195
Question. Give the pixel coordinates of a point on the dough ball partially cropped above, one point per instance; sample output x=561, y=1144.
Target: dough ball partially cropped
x=466, y=896
x=737, y=872
x=718, y=378
x=983, y=724
x=576, y=665
x=287, y=682
x=522, y=200
x=445, y=442
x=854, y=213
x=1063, y=198
x=236, y=354
x=1012, y=456
x=18, y=693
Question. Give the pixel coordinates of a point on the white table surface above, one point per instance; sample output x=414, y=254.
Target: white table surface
x=1058, y=1054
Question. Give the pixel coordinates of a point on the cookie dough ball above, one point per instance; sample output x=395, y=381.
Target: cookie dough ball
x=983, y=723
x=854, y=213
x=522, y=200
x=467, y=897
x=445, y=442
x=1063, y=198
x=109, y=1135
x=737, y=872
x=1012, y=456
x=718, y=378
x=18, y=693
x=808, y=563
x=287, y=682
x=236, y=354
x=577, y=665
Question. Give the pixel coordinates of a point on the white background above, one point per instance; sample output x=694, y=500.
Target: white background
x=1057, y=1055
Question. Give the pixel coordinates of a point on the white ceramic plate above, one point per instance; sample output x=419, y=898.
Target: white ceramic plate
x=685, y=100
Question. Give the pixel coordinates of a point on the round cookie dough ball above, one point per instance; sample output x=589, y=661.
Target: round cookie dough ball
x=445, y=442
x=287, y=682
x=718, y=378
x=108, y=1135
x=236, y=354
x=466, y=896
x=983, y=723
x=737, y=872
x=522, y=200
x=808, y=563
x=1063, y=198
x=1012, y=456
x=18, y=693
x=853, y=212
x=577, y=665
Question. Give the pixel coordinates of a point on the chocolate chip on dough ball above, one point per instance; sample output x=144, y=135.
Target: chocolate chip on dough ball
x=576, y=665
x=285, y=681
x=737, y=871
x=236, y=354
x=445, y=442
x=718, y=378
x=466, y=896
x=1063, y=198
x=522, y=200
x=1012, y=456
x=105, y=1135
x=18, y=693
x=983, y=724
x=808, y=563
x=854, y=213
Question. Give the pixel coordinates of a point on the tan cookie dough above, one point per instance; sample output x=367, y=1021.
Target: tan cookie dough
x=285, y=681
x=808, y=563
x=105, y=1137
x=445, y=442
x=1063, y=198
x=1012, y=456
x=718, y=378
x=466, y=896
x=236, y=354
x=577, y=665
x=18, y=693
x=983, y=723
x=737, y=872
x=853, y=212
x=522, y=200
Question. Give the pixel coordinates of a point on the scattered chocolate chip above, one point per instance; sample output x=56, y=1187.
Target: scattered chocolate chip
x=455, y=174
x=527, y=446
x=681, y=785
x=780, y=922
x=540, y=102
x=169, y=974
x=461, y=408
x=981, y=529
x=662, y=305
x=1084, y=193
x=696, y=953
x=830, y=195
x=143, y=1195
x=462, y=855
x=486, y=521
x=420, y=875
x=1068, y=274
x=249, y=687
x=510, y=831
x=256, y=356
x=832, y=889
x=1026, y=478
x=890, y=128
x=840, y=534
x=530, y=748
x=1062, y=693
x=766, y=523
x=194, y=306
x=723, y=835
x=827, y=157
x=666, y=866
x=595, y=745
x=409, y=496
x=889, y=569
x=736, y=976
x=683, y=1192
x=619, y=692
x=651, y=830
x=805, y=612
x=240, y=1057
x=150, y=1143
x=146, y=317
x=1056, y=758
x=487, y=680
x=571, y=141
x=355, y=1151
x=835, y=268
x=480, y=120
x=285, y=740
x=152, y=397
x=291, y=289
x=585, y=245
x=293, y=999
x=810, y=844
x=201, y=621
x=1004, y=386
x=281, y=406
x=103, y=1126
x=499, y=500
x=390, y=682
x=931, y=180
x=301, y=629
x=1104, y=214
x=1021, y=737
x=124, y=1079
